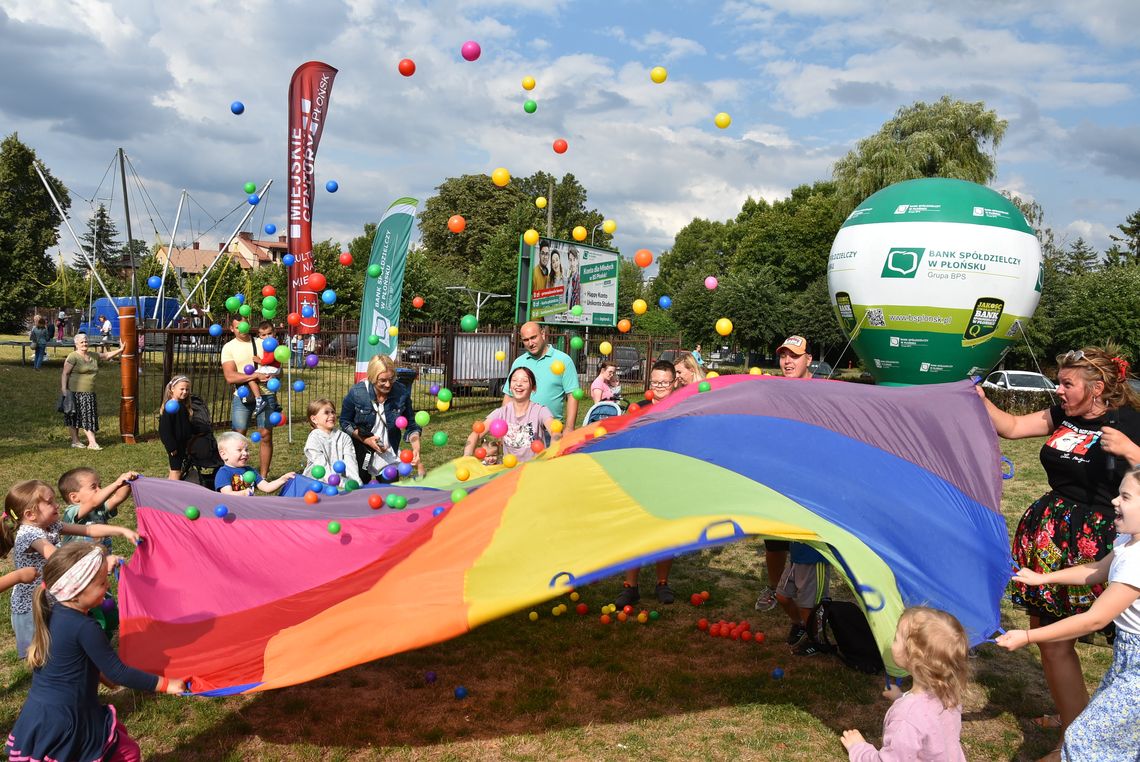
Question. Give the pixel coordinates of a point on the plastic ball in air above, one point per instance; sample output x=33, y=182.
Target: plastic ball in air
x=433, y=389
x=308, y=311
x=237, y=108
x=724, y=326
x=345, y=258
x=317, y=282
x=282, y=353
x=390, y=473
x=298, y=385
x=530, y=237
x=605, y=348
x=458, y=494
x=255, y=437
x=576, y=310
x=557, y=367
x=639, y=306
x=439, y=438
x=401, y=422
x=332, y=186
x=270, y=228
x=665, y=302
x=500, y=177
x=288, y=260
x=233, y=304
x=498, y=428
x=456, y=223
x=273, y=384
x=269, y=343
x=423, y=418
x=243, y=327
x=462, y=474
x=330, y=490
x=250, y=187
x=711, y=283
x=404, y=469
x=530, y=106
x=540, y=202
x=468, y=323
x=334, y=527
x=418, y=302
x=215, y=330
x=658, y=74
x=578, y=394
x=318, y=472
x=578, y=233
x=704, y=386
x=311, y=361
x=406, y=67
x=722, y=120
x=576, y=343
x=528, y=82
x=373, y=339
x=560, y=146
x=643, y=257
x=275, y=418
x=445, y=395
x=624, y=325
x=245, y=310
x=500, y=356
x=328, y=296
x=442, y=406
x=253, y=199
x=374, y=271
x=609, y=227
x=334, y=479
x=471, y=51
x=154, y=281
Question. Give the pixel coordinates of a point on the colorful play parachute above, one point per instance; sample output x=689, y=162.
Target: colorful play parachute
x=899, y=488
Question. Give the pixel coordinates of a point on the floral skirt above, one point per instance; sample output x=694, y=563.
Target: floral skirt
x=1053, y=534
x=1109, y=728
x=85, y=415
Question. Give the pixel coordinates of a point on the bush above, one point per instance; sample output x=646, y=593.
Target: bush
x=1020, y=403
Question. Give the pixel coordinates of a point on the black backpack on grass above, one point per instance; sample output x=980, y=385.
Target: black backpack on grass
x=202, y=456
x=846, y=623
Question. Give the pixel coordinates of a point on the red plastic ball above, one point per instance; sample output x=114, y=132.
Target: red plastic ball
x=648, y=394
x=375, y=501
x=480, y=452
x=293, y=318
x=758, y=637
x=317, y=282
x=537, y=446
x=560, y=146
x=606, y=619
x=633, y=407
x=714, y=630
x=407, y=456
x=746, y=635
x=268, y=291
x=582, y=608
x=407, y=67
x=312, y=498
x=346, y=258
x=702, y=624
x=696, y=599
x=418, y=302
x=627, y=610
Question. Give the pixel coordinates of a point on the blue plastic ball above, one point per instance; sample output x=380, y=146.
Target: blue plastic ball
x=438, y=510
x=315, y=487
x=308, y=311
x=154, y=281
x=215, y=330
x=171, y=406
x=390, y=473
x=220, y=511
x=664, y=302
x=332, y=186
x=273, y=384
x=331, y=491
x=288, y=260
x=238, y=108
x=255, y=437
x=253, y=199
x=268, y=344
x=328, y=296
x=404, y=469
x=243, y=391
x=339, y=466
x=270, y=228
x=275, y=418
x=777, y=673
x=298, y=385
x=241, y=298
x=460, y=693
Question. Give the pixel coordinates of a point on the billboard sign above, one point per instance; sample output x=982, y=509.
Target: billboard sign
x=565, y=275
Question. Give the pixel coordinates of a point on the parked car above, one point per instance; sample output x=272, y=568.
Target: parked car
x=628, y=361
x=820, y=369
x=669, y=355
x=1019, y=381
x=425, y=351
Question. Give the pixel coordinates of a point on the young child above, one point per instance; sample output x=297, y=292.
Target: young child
x=267, y=364
x=90, y=503
x=802, y=586
x=62, y=717
x=32, y=527
x=1109, y=727
x=234, y=449
x=327, y=443
x=926, y=721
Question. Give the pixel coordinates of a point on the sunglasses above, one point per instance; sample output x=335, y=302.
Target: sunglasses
x=1073, y=355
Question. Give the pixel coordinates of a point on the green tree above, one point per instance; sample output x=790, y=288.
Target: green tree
x=1127, y=248
x=1078, y=259
x=485, y=208
x=1100, y=307
x=28, y=228
x=949, y=138
x=810, y=314
x=700, y=249
x=101, y=239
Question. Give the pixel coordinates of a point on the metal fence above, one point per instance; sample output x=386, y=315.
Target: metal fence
x=472, y=365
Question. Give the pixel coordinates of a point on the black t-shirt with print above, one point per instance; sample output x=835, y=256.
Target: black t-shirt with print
x=1075, y=462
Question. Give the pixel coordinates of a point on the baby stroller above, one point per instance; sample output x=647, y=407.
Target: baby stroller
x=202, y=457
x=602, y=410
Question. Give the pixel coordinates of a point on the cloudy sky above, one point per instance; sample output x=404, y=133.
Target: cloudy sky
x=802, y=79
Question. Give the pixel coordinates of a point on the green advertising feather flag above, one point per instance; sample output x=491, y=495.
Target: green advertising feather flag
x=380, y=306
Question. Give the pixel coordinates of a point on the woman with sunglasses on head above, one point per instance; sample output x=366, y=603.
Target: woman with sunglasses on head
x=1091, y=443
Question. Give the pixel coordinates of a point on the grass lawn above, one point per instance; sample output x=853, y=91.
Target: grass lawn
x=560, y=688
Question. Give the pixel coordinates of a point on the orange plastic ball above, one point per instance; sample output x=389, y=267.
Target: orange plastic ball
x=643, y=258
x=622, y=616
x=312, y=498
x=606, y=619
x=537, y=446
x=624, y=325
x=705, y=594
x=456, y=223
x=648, y=394
x=702, y=624
x=478, y=427
x=418, y=302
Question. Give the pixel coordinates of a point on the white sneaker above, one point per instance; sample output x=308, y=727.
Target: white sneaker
x=767, y=600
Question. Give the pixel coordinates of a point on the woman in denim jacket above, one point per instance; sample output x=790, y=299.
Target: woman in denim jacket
x=375, y=438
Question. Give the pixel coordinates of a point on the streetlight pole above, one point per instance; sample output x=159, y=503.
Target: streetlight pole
x=595, y=230
x=480, y=297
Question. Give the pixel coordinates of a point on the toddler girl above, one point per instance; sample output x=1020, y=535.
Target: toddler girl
x=31, y=526
x=62, y=717
x=926, y=721
x=1109, y=727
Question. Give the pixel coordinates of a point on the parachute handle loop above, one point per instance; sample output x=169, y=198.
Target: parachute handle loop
x=1006, y=462
x=569, y=578
x=872, y=604
x=737, y=532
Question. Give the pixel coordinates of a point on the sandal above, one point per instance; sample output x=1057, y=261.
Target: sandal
x=1047, y=721
x=94, y=447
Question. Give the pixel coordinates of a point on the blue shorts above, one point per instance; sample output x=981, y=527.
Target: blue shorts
x=241, y=411
x=24, y=626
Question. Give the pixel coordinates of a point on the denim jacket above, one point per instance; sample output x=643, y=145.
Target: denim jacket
x=358, y=414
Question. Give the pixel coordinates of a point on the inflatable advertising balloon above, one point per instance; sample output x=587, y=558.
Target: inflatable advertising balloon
x=931, y=280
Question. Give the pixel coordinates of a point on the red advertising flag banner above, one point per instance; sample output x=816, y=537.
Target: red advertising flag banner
x=309, y=93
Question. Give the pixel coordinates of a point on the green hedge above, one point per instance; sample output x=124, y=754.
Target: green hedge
x=1020, y=403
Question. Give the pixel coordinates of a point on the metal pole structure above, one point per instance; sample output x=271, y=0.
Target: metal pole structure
x=233, y=235
x=169, y=251
x=130, y=236
x=595, y=230
x=550, y=209
x=128, y=375
x=87, y=258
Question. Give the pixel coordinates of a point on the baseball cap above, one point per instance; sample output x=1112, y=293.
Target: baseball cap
x=797, y=345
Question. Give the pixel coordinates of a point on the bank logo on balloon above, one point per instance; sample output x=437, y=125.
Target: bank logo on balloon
x=902, y=263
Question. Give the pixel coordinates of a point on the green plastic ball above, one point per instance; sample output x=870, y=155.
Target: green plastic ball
x=350, y=485
x=243, y=326
x=529, y=107
x=390, y=499
x=373, y=339
x=704, y=386
x=248, y=477
x=439, y=438
x=192, y=513
x=233, y=304
x=422, y=418
x=374, y=271
x=576, y=343
x=268, y=314
x=654, y=615
x=282, y=353
x=400, y=503
x=576, y=310
x=318, y=472
x=249, y=188
x=444, y=395
x=458, y=494
x=578, y=394
x=468, y=323
x=269, y=303
x=245, y=310
x=334, y=527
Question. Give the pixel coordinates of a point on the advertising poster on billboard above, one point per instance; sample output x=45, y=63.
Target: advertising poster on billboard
x=565, y=275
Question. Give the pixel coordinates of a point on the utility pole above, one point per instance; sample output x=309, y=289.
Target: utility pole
x=550, y=209
x=130, y=237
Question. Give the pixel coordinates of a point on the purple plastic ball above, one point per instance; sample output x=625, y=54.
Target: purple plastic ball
x=433, y=389
x=390, y=473
x=311, y=361
x=334, y=479
x=248, y=369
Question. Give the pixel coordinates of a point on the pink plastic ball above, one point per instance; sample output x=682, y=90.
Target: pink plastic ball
x=401, y=422
x=711, y=282
x=498, y=428
x=470, y=50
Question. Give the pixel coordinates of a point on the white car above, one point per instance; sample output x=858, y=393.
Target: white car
x=1019, y=381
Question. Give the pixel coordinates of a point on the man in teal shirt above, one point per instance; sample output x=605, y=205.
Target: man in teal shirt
x=555, y=391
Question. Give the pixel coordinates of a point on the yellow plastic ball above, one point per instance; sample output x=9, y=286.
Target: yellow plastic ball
x=722, y=120
x=462, y=474
x=639, y=307
x=754, y=371
x=712, y=374
x=658, y=74
x=605, y=348
x=530, y=237
x=555, y=426
x=500, y=177
x=540, y=202
x=528, y=83
x=442, y=406
x=500, y=356
x=609, y=227
x=533, y=616
x=393, y=330
x=557, y=367
x=556, y=611
x=600, y=431
x=724, y=326
x=574, y=597
x=510, y=461
x=579, y=233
